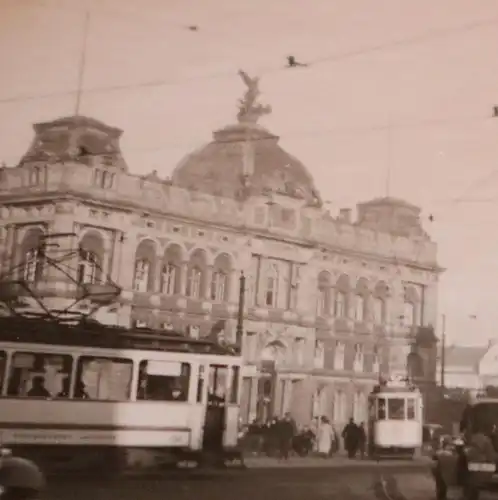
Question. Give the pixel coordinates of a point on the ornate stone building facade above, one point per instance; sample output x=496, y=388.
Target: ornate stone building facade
x=330, y=302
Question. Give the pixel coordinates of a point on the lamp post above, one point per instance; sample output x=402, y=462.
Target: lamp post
x=443, y=351
x=239, y=332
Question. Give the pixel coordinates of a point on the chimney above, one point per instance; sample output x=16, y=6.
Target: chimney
x=345, y=215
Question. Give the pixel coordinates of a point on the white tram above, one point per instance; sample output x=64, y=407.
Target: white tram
x=395, y=420
x=96, y=396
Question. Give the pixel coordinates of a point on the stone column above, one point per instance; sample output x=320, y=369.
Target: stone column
x=158, y=272
x=206, y=283
x=183, y=269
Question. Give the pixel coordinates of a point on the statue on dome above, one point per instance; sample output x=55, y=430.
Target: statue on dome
x=249, y=109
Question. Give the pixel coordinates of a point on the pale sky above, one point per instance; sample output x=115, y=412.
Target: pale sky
x=428, y=67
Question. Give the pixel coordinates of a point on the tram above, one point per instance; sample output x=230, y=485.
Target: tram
x=395, y=420
x=106, y=398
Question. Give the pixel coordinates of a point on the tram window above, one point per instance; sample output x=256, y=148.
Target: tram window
x=410, y=409
x=3, y=363
x=103, y=379
x=39, y=375
x=396, y=408
x=217, y=383
x=163, y=381
x=200, y=383
x=381, y=409
x=234, y=385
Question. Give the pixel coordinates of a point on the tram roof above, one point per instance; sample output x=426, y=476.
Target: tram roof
x=94, y=334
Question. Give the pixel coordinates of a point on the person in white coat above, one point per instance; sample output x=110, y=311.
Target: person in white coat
x=325, y=437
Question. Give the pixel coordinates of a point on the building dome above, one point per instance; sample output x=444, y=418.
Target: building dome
x=245, y=159
x=75, y=138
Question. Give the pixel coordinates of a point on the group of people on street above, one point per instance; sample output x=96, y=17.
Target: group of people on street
x=279, y=437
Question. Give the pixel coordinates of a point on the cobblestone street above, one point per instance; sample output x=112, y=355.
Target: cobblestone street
x=363, y=481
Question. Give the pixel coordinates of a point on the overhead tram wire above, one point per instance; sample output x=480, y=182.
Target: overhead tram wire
x=335, y=57
x=353, y=131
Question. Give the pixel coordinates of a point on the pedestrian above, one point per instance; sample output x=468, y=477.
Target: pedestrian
x=286, y=430
x=362, y=439
x=350, y=436
x=325, y=437
x=20, y=479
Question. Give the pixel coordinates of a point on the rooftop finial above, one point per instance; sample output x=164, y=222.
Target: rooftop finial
x=249, y=109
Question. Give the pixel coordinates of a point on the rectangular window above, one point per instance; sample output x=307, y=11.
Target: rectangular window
x=103, y=379
x=396, y=408
x=411, y=409
x=200, y=383
x=3, y=366
x=217, y=384
x=163, y=381
x=40, y=375
x=381, y=409
x=234, y=385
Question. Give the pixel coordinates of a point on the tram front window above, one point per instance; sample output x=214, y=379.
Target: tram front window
x=217, y=384
x=381, y=412
x=163, y=381
x=39, y=375
x=411, y=412
x=396, y=408
x=104, y=379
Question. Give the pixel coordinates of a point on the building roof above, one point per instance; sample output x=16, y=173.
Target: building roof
x=389, y=201
x=243, y=160
x=75, y=138
x=464, y=356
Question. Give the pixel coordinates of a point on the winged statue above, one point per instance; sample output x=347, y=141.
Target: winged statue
x=249, y=108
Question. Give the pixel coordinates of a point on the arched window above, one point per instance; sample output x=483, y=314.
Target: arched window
x=33, y=266
x=379, y=311
x=141, y=276
x=168, y=279
x=359, y=358
x=340, y=406
x=340, y=304
x=340, y=349
x=359, y=308
x=299, y=348
x=271, y=291
x=360, y=409
x=324, y=288
x=409, y=314
x=375, y=359
x=170, y=282
x=88, y=267
x=319, y=357
x=219, y=286
x=194, y=281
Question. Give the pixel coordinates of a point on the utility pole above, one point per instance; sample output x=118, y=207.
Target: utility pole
x=239, y=332
x=82, y=64
x=443, y=349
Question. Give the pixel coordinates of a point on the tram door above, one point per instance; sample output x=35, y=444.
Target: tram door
x=214, y=425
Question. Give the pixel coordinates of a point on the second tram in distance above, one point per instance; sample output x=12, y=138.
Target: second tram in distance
x=395, y=420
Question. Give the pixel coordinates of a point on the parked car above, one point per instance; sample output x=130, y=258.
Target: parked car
x=467, y=462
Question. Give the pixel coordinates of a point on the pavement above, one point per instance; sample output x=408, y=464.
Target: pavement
x=340, y=481
x=262, y=462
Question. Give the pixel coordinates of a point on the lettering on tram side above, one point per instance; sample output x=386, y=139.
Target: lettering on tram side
x=121, y=437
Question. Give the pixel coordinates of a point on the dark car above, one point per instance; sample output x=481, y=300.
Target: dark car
x=468, y=462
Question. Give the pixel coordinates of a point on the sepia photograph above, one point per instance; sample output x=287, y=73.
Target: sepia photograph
x=248, y=249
